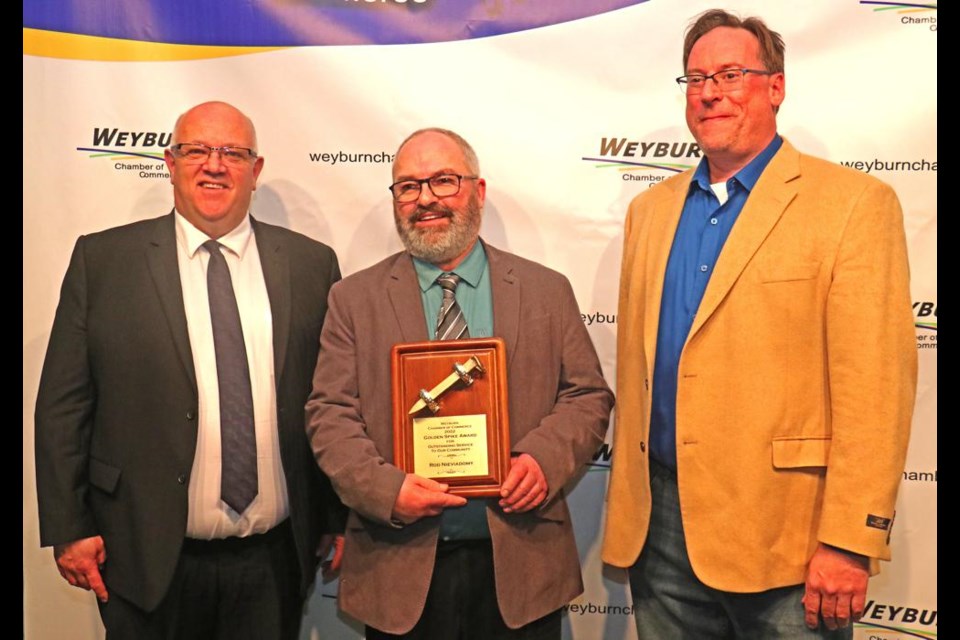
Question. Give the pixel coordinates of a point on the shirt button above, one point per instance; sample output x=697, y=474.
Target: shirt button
x=182, y=478
x=703, y=268
x=713, y=221
x=191, y=415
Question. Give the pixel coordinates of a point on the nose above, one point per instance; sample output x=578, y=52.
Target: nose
x=711, y=90
x=426, y=195
x=214, y=163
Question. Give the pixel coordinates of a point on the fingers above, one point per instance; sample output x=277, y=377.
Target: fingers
x=330, y=568
x=426, y=483
x=420, y=497
x=80, y=561
x=531, y=500
x=95, y=582
x=337, y=553
x=858, y=604
x=842, y=614
x=525, y=487
x=514, y=476
x=828, y=610
x=811, y=607
x=836, y=588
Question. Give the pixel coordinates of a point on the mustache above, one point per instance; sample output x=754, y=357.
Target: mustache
x=435, y=207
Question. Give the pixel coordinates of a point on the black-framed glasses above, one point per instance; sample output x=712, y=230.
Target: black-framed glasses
x=197, y=153
x=726, y=79
x=442, y=185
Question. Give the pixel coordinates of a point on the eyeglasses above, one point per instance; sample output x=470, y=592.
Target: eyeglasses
x=726, y=79
x=443, y=185
x=196, y=153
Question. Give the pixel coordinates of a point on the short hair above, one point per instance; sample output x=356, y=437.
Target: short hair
x=468, y=153
x=771, y=42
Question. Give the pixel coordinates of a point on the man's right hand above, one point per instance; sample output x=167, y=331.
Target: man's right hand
x=79, y=563
x=420, y=497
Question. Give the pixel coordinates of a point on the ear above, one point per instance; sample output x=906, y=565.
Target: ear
x=481, y=186
x=257, y=168
x=778, y=89
x=169, y=160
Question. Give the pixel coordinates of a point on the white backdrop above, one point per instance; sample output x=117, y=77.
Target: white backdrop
x=545, y=109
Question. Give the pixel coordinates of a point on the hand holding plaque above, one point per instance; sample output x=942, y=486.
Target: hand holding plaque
x=450, y=413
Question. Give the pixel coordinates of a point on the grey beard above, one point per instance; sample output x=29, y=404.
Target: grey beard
x=438, y=248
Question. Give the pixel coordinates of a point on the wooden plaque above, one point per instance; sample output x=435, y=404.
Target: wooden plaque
x=463, y=440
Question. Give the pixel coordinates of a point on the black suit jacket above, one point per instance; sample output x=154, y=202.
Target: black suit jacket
x=116, y=416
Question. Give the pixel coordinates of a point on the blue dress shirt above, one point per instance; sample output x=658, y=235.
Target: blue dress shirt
x=701, y=233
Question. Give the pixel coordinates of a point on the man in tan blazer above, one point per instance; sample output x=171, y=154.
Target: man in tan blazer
x=418, y=561
x=766, y=369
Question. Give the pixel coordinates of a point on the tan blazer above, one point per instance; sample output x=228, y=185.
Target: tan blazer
x=559, y=408
x=796, y=383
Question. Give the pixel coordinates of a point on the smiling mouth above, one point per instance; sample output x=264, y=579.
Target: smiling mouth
x=212, y=185
x=428, y=215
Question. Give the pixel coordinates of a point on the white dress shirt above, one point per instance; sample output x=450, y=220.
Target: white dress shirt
x=209, y=517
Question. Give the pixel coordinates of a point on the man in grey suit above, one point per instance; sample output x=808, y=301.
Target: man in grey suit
x=420, y=562
x=173, y=475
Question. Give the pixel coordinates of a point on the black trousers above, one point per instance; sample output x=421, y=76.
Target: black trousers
x=462, y=601
x=235, y=588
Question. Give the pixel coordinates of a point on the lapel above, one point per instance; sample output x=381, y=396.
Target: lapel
x=275, y=264
x=662, y=225
x=404, y=294
x=161, y=255
x=769, y=199
x=505, y=293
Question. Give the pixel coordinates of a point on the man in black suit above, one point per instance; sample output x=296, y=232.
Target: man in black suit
x=173, y=472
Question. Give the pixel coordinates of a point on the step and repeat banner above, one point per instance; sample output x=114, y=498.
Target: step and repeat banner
x=573, y=110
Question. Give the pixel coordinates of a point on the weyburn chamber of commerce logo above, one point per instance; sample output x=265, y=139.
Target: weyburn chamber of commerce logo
x=925, y=314
x=925, y=320
x=139, y=152
x=885, y=621
x=910, y=13
x=648, y=161
x=601, y=459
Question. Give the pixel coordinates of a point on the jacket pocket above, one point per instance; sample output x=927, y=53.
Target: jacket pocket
x=103, y=476
x=804, y=451
x=789, y=272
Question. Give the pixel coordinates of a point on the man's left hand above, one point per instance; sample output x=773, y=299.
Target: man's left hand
x=836, y=588
x=330, y=568
x=525, y=487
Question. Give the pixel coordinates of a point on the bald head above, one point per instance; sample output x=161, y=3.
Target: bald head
x=469, y=155
x=214, y=111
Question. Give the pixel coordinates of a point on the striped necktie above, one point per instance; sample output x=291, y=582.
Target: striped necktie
x=451, y=325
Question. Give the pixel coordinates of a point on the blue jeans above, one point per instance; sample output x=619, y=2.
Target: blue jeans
x=671, y=603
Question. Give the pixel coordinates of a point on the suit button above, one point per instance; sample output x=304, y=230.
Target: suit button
x=191, y=415
x=643, y=447
x=182, y=478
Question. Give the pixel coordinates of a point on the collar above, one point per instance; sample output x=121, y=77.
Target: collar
x=470, y=270
x=191, y=239
x=747, y=176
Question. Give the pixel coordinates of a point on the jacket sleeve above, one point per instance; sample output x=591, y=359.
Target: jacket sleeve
x=872, y=372
x=64, y=416
x=364, y=480
x=568, y=436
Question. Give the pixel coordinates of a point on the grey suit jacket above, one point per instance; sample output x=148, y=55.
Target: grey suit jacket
x=116, y=415
x=559, y=409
